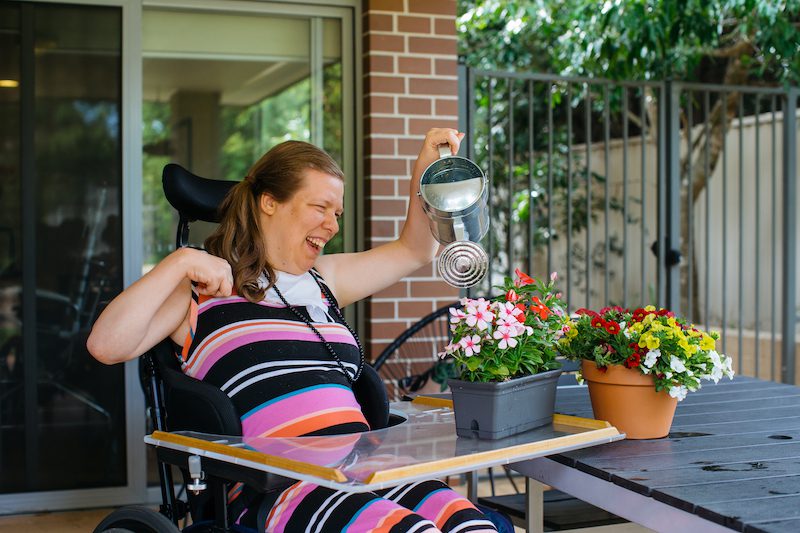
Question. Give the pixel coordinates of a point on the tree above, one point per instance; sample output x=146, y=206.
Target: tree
x=731, y=42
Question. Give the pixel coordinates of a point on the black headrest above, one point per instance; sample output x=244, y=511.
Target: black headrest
x=195, y=198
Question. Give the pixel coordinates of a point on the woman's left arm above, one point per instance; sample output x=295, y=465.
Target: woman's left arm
x=353, y=276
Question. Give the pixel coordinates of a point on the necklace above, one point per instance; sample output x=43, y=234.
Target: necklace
x=332, y=302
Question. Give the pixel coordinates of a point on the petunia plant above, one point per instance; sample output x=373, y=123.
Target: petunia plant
x=509, y=336
x=652, y=341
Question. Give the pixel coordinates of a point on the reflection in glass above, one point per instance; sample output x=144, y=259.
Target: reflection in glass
x=62, y=413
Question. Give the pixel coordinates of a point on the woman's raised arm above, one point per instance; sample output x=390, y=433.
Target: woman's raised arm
x=354, y=276
x=157, y=305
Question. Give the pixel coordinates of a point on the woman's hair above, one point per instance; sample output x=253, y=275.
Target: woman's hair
x=238, y=238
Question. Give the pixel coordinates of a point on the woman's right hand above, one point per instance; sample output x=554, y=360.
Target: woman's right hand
x=212, y=275
x=157, y=305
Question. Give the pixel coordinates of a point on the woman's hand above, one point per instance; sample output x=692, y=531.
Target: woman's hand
x=212, y=275
x=157, y=305
x=430, y=151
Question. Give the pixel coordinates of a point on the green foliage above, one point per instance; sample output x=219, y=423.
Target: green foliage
x=634, y=39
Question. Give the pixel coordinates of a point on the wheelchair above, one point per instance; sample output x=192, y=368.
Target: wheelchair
x=178, y=402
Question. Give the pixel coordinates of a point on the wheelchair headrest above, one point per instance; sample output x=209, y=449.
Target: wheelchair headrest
x=195, y=198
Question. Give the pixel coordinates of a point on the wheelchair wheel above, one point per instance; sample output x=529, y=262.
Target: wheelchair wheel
x=136, y=519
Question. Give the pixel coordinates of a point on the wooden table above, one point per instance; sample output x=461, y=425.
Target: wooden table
x=730, y=462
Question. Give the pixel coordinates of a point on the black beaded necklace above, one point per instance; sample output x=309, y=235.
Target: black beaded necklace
x=327, y=345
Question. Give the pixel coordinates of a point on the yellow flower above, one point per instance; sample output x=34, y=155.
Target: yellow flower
x=707, y=343
x=637, y=327
x=572, y=332
x=650, y=308
x=649, y=341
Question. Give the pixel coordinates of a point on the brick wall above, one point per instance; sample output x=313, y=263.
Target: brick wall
x=410, y=86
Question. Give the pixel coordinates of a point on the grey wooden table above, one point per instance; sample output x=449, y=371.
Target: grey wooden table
x=730, y=462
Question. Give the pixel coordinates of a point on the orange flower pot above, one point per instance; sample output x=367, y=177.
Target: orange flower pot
x=628, y=400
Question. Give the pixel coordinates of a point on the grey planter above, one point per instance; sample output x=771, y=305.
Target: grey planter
x=497, y=410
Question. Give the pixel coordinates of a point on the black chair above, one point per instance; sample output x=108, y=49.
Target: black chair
x=178, y=402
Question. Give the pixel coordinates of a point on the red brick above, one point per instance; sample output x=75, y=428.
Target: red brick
x=414, y=309
x=420, y=126
x=383, y=5
x=446, y=107
x=414, y=65
x=433, y=86
x=444, y=27
x=447, y=302
x=382, y=187
x=378, y=63
x=446, y=67
x=385, y=125
x=423, y=272
x=414, y=106
x=431, y=45
x=385, y=166
x=382, y=228
x=414, y=24
x=379, y=22
x=398, y=290
x=381, y=42
x=439, y=7
x=387, y=330
x=379, y=104
x=386, y=84
x=375, y=349
x=378, y=145
x=432, y=289
x=387, y=208
x=381, y=310
x=409, y=146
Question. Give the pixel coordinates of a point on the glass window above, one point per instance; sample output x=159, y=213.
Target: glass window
x=60, y=245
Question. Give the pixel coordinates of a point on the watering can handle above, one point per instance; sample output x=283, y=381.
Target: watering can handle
x=444, y=151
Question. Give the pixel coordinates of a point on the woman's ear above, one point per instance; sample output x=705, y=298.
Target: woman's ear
x=267, y=204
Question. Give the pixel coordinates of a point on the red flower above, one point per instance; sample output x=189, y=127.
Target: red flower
x=519, y=307
x=666, y=313
x=584, y=311
x=612, y=327
x=542, y=310
x=512, y=296
x=633, y=360
x=639, y=314
x=598, y=322
x=523, y=278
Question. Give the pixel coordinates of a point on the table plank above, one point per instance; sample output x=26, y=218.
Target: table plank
x=732, y=456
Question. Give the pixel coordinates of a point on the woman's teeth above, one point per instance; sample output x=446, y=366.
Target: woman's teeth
x=317, y=243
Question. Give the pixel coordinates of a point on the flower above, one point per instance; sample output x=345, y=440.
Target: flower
x=653, y=341
x=513, y=335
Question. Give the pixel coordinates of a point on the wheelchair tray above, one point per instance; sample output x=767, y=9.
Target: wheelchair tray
x=424, y=446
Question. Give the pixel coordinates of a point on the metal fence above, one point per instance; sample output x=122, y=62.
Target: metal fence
x=675, y=194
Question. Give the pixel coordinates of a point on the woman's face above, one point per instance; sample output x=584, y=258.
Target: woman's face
x=296, y=231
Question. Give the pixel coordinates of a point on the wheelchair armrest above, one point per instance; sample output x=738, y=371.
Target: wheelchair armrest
x=195, y=405
x=371, y=395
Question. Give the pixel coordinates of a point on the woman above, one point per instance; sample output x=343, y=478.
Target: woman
x=257, y=316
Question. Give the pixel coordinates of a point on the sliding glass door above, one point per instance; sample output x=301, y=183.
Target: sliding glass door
x=62, y=417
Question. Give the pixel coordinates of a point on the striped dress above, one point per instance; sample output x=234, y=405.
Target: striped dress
x=284, y=383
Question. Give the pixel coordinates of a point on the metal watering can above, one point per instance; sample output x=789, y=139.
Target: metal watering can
x=455, y=192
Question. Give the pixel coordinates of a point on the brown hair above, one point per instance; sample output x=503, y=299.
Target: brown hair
x=238, y=238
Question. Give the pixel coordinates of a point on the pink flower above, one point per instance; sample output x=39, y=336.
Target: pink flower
x=512, y=296
x=457, y=315
x=471, y=345
x=478, y=314
x=506, y=337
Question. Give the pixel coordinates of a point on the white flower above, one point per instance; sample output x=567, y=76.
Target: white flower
x=678, y=391
x=676, y=364
x=456, y=315
x=651, y=357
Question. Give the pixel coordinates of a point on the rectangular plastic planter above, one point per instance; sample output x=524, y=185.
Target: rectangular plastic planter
x=496, y=410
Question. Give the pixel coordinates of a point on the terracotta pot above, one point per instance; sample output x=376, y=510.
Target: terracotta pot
x=628, y=400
